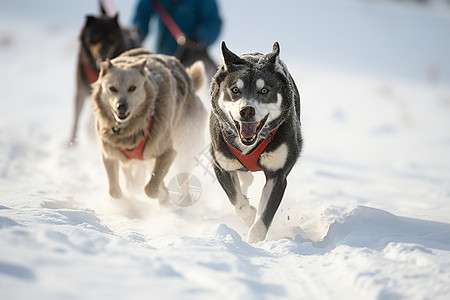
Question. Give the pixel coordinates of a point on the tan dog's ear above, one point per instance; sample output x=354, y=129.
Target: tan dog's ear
x=140, y=65
x=104, y=66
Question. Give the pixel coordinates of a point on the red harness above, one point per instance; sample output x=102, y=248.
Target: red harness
x=90, y=73
x=137, y=152
x=250, y=160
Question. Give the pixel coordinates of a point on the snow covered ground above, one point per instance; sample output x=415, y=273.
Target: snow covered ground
x=366, y=214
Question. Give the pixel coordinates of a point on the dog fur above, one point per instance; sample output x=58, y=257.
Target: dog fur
x=254, y=101
x=131, y=89
x=101, y=37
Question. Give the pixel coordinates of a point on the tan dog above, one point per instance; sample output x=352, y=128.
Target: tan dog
x=146, y=108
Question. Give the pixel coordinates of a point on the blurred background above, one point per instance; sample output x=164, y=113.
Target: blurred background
x=391, y=38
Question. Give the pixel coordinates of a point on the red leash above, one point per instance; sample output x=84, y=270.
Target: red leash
x=167, y=19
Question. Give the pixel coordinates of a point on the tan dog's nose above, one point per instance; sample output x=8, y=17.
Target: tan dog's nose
x=122, y=107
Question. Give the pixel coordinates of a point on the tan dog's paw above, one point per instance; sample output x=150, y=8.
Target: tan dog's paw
x=116, y=193
x=157, y=192
x=163, y=194
x=151, y=190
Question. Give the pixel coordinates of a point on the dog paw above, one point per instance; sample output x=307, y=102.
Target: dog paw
x=157, y=192
x=257, y=232
x=246, y=213
x=151, y=190
x=72, y=143
x=116, y=193
x=163, y=195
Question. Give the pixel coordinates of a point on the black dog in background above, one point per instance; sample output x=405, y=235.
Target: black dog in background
x=101, y=37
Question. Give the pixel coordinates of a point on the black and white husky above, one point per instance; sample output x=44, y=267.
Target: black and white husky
x=254, y=126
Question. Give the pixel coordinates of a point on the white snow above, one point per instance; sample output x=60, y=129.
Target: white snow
x=366, y=214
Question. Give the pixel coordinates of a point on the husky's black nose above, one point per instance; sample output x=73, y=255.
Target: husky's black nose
x=247, y=112
x=122, y=107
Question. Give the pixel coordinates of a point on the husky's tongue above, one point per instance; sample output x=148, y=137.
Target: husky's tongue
x=248, y=130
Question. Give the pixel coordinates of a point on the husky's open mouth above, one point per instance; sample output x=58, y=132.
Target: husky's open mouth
x=248, y=131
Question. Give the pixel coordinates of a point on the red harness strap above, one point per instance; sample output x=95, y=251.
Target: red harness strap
x=169, y=22
x=250, y=160
x=90, y=73
x=137, y=152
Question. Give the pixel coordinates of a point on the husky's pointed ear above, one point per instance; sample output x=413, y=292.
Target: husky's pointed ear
x=272, y=57
x=116, y=18
x=276, y=48
x=140, y=65
x=229, y=57
x=104, y=66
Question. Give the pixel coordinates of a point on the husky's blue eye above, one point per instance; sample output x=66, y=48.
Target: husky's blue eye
x=264, y=91
x=235, y=90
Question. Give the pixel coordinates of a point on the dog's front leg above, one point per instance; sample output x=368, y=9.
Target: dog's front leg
x=271, y=196
x=229, y=180
x=155, y=188
x=112, y=171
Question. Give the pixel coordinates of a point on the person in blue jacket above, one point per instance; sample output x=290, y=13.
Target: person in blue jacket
x=198, y=19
